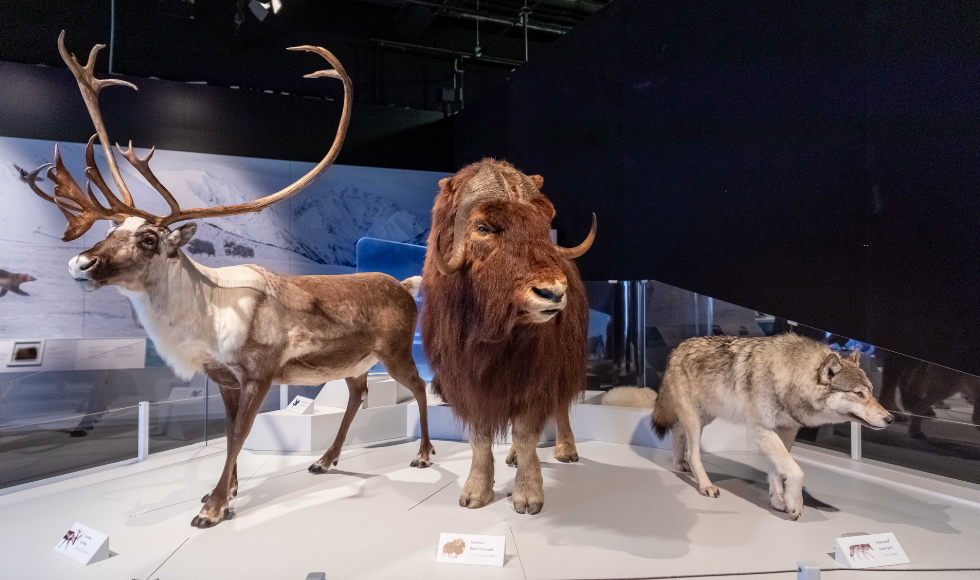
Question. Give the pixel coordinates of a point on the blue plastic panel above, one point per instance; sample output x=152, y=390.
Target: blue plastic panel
x=400, y=261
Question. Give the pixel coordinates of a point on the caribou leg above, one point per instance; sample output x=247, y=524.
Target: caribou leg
x=215, y=508
x=357, y=389
x=565, y=450
x=528, y=495
x=478, y=490
x=402, y=368
x=230, y=396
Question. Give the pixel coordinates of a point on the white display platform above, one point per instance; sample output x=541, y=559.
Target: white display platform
x=620, y=512
x=591, y=420
x=380, y=417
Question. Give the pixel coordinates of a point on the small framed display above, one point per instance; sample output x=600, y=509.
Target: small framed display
x=26, y=353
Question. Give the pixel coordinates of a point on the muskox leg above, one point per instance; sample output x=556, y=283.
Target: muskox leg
x=528, y=495
x=402, y=368
x=230, y=396
x=565, y=450
x=357, y=389
x=215, y=508
x=478, y=490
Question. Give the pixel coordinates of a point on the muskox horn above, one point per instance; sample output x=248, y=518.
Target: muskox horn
x=572, y=253
x=488, y=183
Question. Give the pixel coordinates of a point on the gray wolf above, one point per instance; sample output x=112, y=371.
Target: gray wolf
x=775, y=385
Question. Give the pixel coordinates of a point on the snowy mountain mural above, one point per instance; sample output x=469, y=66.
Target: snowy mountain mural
x=315, y=232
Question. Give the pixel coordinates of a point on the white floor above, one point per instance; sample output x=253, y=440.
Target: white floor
x=618, y=513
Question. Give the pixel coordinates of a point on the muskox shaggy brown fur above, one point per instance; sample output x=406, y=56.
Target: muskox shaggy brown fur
x=504, y=321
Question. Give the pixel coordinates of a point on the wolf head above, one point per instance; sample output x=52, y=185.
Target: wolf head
x=848, y=396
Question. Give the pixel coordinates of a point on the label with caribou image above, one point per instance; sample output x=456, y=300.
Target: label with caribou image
x=471, y=549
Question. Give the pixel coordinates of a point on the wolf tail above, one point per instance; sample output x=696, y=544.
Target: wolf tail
x=664, y=415
x=412, y=285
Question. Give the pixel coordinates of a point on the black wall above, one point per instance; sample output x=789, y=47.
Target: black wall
x=817, y=161
x=44, y=103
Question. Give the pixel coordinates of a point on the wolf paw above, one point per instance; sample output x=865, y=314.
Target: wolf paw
x=794, y=507
x=709, y=491
x=777, y=502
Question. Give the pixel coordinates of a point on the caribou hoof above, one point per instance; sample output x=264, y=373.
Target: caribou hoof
x=317, y=468
x=204, y=521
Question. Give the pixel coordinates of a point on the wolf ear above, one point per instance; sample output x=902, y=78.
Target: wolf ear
x=855, y=356
x=830, y=367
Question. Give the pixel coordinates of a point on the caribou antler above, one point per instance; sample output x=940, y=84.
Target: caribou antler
x=82, y=210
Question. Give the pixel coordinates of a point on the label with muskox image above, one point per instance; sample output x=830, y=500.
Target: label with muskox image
x=471, y=549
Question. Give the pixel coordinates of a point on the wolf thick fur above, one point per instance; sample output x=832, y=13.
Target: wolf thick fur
x=775, y=385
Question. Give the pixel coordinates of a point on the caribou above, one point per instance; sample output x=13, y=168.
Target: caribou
x=504, y=323
x=244, y=327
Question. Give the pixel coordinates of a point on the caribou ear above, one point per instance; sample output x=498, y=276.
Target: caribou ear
x=855, y=356
x=537, y=180
x=830, y=367
x=179, y=237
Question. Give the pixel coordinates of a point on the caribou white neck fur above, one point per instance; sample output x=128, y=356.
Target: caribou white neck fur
x=195, y=314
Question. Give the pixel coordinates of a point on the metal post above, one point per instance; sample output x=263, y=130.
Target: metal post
x=856, y=441
x=143, y=437
x=711, y=317
x=807, y=571
x=641, y=333
x=283, y=396
x=112, y=36
x=524, y=19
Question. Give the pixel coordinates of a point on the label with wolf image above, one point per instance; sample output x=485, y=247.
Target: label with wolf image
x=471, y=549
x=83, y=544
x=869, y=551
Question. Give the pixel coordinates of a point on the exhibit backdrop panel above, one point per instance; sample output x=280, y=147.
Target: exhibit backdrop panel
x=315, y=232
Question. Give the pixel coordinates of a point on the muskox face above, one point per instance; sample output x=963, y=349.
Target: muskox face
x=501, y=247
x=133, y=253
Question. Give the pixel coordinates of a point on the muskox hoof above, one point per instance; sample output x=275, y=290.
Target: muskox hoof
x=710, y=491
x=511, y=458
x=567, y=457
x=529, y=507
x=475, y=500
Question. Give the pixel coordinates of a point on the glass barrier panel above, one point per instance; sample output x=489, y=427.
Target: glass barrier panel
x=181, y=418
x=34, y=451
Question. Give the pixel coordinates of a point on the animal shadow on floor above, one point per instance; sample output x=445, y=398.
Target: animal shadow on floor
x=750, y=484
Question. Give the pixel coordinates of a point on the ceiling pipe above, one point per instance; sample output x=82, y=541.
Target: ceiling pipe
x=448, y=53
x=473, y=15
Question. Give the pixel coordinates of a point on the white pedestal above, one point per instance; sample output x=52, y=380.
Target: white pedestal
x=285, y=431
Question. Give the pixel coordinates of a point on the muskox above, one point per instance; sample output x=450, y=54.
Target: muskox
x=454, y=548
x=504, y=322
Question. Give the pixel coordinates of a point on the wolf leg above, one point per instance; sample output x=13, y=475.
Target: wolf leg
x=772, y=445
x=680, y=441
x=690, y=422
x=478, y=490
x=788, y=436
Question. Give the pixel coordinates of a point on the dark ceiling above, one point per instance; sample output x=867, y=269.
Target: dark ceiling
x=420, y=54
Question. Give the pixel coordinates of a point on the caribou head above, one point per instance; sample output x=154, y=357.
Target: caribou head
x=139, y=245
x=501, y=242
